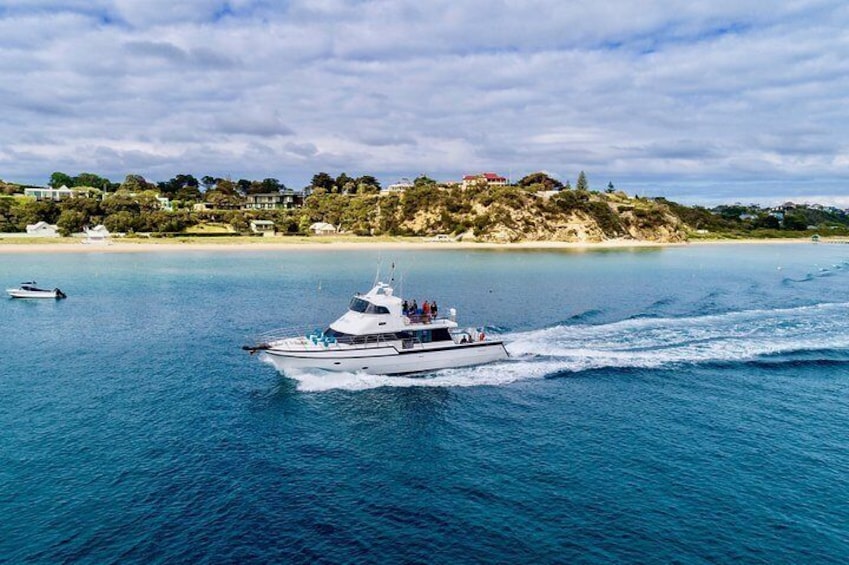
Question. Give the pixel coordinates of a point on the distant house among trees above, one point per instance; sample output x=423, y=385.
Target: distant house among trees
x=47, y=193
x=97, y=234
x=270, y=200
x=322, y=228
x=264, y=227
x=42, y=229
x=488, y=179
x=400, y=186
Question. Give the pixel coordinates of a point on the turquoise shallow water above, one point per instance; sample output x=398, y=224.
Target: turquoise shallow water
x=682, y=404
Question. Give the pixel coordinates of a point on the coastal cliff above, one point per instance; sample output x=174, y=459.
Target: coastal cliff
x=502, y=214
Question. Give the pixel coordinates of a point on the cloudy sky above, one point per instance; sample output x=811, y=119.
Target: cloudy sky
x=699, y=101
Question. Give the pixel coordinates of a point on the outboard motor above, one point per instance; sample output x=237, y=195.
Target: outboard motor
x=59, y=293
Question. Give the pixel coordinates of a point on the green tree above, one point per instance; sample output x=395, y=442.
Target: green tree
x=226, y=186
x=148, y=201
x=119, y=201
x=122, y=221
x=170, y=187
x=539, y=181
x=188, y=193
x=58, y=179
x=135, y=183
x=92, y=180
x=273, y=185
x=7, y=217
x=244, y=186
x=89, y=207
x=582, y=183
x=345, y=184
x=162, y=222
x=28, y=211
x=222, y=200
x=10, y=188
x=71, y=221
x=208, y=182
x=367, y=184
x=304, y=223
x=795, y=222
x=767, y=221
x=323, y=180
x=423, y=180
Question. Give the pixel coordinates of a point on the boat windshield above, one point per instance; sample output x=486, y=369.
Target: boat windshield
x=366, y=307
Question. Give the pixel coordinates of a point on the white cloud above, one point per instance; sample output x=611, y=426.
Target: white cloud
x=677, y=99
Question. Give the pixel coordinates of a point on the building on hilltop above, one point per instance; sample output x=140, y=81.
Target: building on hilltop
x=47, y=193
x=487, y=179
x=400, y=186
x=284, y=199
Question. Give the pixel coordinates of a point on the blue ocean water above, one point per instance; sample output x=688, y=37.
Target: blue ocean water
x=684, y=404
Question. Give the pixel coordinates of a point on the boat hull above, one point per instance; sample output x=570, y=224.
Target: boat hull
x=18, y=293
x=388, y=360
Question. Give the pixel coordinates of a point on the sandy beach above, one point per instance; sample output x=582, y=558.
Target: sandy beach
x=138, y=245
x=144, y=245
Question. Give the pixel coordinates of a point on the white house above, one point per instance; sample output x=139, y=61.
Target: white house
x=322, y=228
x=47, y=193
x=97, y=234
x=265, y=227
x=42, y=229
x=400, y=186
x=165, y=204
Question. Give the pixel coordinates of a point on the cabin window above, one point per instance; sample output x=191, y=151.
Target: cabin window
x=366, y=307
x=330, y=332
x=441, y=335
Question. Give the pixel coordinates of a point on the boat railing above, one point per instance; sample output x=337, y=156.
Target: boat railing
x=468, y=335
x=308, y=339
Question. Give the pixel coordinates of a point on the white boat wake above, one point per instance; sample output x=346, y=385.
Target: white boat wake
x=643, y=343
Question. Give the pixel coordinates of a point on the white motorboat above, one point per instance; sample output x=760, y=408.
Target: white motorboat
x=29, y=290
x=377, y=336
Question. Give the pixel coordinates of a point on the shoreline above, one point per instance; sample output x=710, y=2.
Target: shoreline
x=346, y=244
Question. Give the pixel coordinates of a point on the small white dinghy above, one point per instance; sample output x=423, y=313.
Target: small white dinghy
x=29, y=290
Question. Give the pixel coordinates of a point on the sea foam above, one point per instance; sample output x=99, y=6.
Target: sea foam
x=643, y=343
